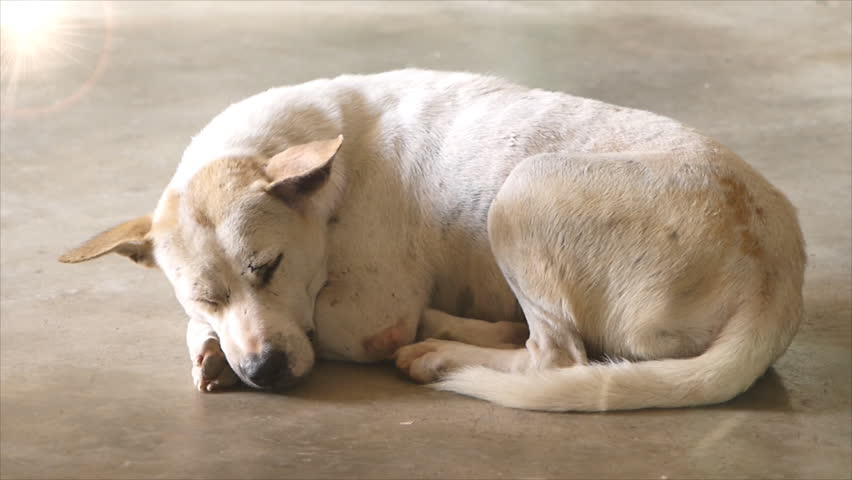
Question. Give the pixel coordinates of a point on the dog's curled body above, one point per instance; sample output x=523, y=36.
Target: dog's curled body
x=455, y=196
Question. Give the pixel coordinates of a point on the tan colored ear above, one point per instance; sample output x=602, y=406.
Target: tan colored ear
x=128, y=239
x=301, y=170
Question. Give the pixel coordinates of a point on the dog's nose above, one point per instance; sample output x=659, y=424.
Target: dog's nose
x=269, y=369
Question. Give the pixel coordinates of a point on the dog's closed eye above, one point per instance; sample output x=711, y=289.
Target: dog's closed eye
x=266, y=271
x=212, y=299
x=208, y=302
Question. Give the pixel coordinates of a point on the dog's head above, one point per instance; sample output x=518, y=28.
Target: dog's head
x=243, y=243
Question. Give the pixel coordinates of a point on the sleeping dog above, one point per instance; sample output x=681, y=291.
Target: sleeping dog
x=531, y=248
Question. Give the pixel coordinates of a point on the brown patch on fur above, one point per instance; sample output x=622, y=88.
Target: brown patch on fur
x=750, y=245
x=739, y=202
x=215, y=188
x=383, y=344
x=202, y=219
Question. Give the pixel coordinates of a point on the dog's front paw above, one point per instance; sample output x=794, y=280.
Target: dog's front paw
x=426, y=361
x=210, y=370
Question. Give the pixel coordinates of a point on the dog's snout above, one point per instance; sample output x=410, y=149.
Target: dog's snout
x=269, y=369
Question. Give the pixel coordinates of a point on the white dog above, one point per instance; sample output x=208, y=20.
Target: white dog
x=347, y=218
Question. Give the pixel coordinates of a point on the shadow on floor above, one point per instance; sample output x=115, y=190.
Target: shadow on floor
x=343, y=382
x=356, y=383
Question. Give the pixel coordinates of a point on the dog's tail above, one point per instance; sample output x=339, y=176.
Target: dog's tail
x=749, y=343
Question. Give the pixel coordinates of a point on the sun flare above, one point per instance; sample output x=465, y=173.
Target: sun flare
x=28, y=26
x=45, y=43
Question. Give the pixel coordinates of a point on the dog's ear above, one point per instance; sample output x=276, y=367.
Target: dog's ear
x=301, y=170
x=129, y=239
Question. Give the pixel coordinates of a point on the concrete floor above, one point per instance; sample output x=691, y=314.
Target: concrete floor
x=95, y=378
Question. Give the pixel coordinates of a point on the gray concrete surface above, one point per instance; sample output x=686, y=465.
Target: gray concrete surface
x=95, y=379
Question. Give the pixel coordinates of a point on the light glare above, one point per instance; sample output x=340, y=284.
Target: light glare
x=29, y=25
x=43, y=45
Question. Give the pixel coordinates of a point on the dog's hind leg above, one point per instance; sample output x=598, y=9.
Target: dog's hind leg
x=443, y=326
x=526, y=235
x=210, y=369
x=431, y=359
